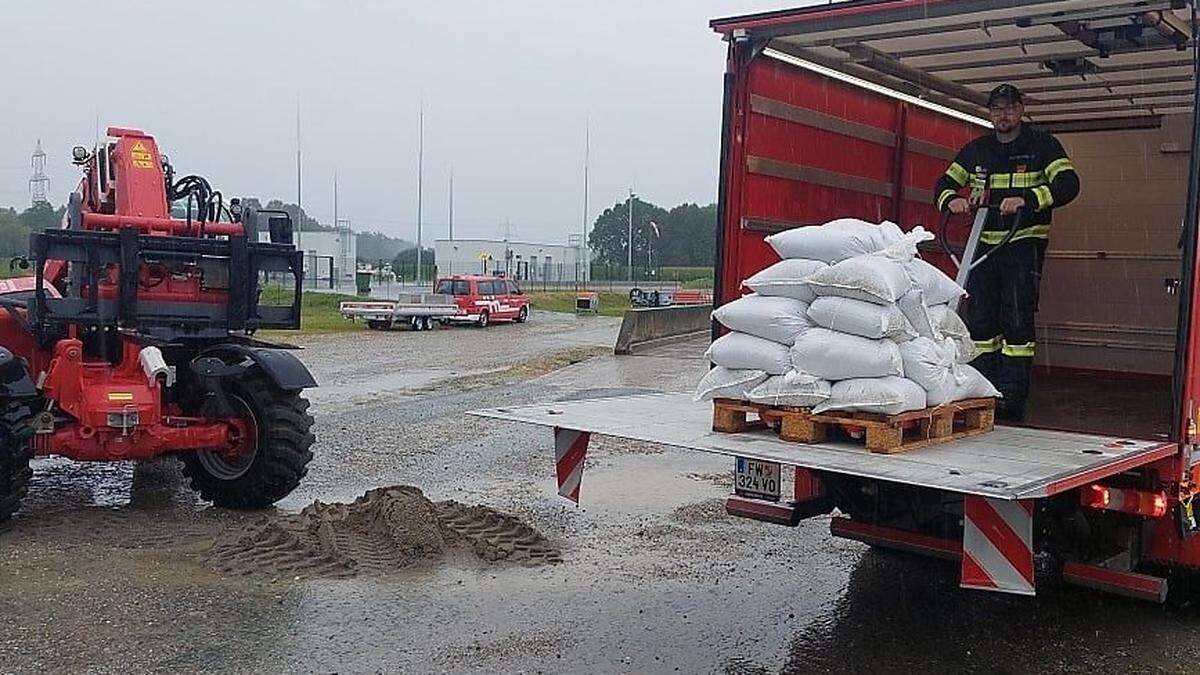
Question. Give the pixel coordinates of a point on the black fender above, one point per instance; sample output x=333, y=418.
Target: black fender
x=284, y=369
x=15, y=382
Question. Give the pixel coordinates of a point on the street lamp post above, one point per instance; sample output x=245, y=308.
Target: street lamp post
x=630, y=244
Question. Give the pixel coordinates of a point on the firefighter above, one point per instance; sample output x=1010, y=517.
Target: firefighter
x=1026, y=174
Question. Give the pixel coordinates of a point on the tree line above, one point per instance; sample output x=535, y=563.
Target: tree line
x=686, y=235
x=371, y=246
x=15, y=227
x=682, y=236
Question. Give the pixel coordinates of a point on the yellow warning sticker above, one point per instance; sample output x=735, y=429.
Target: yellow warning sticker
x=120, y=396
x=141, y=157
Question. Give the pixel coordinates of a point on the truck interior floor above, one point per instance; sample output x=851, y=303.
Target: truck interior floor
x=1096, y=402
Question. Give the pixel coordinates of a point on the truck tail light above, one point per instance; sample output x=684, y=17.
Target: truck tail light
x=1095, y=497
x=1136, y=502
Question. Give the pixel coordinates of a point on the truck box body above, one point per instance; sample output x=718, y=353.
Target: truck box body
x=810, y=148
x=854, y=109
x=1104, y=304
x=817, y=125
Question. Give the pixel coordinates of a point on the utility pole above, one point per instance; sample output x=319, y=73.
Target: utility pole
x=630, y=246
x=451, y=203
x=583, y=246
x=507, y=250
x=299, y=192
x=336, y=227
x=420, y=173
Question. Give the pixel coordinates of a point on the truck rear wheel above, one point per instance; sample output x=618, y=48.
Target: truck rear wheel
x=276, y=456
x=484, y=319
x=15, y=454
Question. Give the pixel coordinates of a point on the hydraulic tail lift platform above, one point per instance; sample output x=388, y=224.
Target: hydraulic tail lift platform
x=854, y=109
x=1000, y=474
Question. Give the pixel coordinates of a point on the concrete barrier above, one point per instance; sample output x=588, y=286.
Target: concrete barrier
x=648, y=326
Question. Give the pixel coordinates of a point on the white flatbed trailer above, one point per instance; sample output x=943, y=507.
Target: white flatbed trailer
x=419, y=310
x=1003, y=472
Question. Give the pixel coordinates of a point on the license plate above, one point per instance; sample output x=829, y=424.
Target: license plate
x=757, y=479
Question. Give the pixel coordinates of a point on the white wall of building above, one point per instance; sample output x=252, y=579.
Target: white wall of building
x=523, y=261
x=318, y=247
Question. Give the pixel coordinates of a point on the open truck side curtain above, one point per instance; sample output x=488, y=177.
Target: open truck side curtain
x=801, y=144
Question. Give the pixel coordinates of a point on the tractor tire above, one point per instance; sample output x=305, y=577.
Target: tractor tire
x=281, y=453
x=15, y=454
x=523, y=315
x=484, y=319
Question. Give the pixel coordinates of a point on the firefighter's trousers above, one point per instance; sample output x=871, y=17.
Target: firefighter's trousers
x=1003, y=297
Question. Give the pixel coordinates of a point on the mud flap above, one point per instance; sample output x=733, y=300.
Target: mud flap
x=998, y=545
x=285, y=370
x=570, y=448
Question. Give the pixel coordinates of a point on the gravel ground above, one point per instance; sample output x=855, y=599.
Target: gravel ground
x=104, y=569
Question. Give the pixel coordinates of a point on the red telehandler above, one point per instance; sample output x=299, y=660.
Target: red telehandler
x=134, y=338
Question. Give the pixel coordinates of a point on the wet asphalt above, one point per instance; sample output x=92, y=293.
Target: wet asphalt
x=104, y=569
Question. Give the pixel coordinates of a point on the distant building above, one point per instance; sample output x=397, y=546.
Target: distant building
x=321, y=248
x=518, y=260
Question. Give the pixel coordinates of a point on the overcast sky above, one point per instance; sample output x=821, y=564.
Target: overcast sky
x=507, y=87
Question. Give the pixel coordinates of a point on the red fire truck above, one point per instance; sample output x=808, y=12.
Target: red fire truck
x=855, y=109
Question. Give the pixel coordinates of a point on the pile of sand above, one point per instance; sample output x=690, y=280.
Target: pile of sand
x=385, y=530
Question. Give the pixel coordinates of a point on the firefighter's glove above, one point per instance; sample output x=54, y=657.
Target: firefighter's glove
x=1011, y=205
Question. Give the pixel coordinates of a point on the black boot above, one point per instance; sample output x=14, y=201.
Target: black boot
x=1010, y=412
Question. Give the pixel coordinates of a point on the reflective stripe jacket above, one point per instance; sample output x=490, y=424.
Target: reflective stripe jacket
x=1033, y=166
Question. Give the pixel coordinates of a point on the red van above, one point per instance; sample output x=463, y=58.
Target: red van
x=482, y=299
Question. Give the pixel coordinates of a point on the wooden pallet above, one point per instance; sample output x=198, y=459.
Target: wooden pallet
x=885, y=434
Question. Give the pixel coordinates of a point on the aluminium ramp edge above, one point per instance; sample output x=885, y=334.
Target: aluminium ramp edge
x=1007, y=463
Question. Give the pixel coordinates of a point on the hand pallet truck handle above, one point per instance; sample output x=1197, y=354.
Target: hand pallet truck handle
x=968, y=261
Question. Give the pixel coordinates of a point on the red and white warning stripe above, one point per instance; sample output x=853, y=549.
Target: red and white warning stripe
x=998, y=545
x=570, y=447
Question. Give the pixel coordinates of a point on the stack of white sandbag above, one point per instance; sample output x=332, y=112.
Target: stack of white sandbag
x=850, y=319
x=754, y=361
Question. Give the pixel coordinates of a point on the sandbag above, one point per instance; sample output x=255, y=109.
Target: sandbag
x=794, y=389
x=739, y=351
x=950, y=325
x=881, y=277
x=866, y=319
x=939, y=289
x=776, y=319
x=932, y=365
x=841, y=356
x=835, y=241
x=786, y=279
x=972, y=384
x=721, y=382
x=882, y=395
x=873, y=278
x=912, y=305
